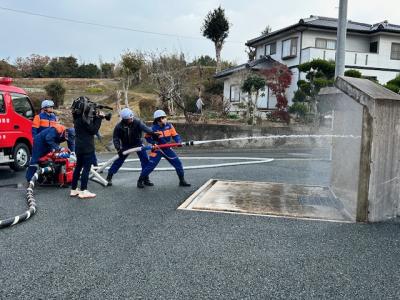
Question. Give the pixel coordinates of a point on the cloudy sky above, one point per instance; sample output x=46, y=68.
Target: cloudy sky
x=23, y=34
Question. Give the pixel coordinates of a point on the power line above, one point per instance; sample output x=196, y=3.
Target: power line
x=106, y=25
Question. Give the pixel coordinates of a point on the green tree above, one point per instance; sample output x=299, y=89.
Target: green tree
x=56, y=91
x=252, y=85
x=88, y=71
x=63, y=66
x=216, y=28
x=107, y=70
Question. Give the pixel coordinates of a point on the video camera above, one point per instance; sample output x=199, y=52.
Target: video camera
x=89, y=110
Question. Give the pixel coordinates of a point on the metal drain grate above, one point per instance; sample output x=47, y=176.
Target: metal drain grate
x=321, y=201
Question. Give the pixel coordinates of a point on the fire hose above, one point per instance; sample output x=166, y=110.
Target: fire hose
x=29, y=194
x=30, y=201
x=193, y=143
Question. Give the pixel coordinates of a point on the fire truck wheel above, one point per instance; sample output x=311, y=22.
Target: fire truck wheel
x=22, y=156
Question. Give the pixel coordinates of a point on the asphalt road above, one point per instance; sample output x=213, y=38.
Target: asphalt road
x=131, y=243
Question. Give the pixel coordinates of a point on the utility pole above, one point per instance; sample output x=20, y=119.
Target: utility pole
x=341, y=39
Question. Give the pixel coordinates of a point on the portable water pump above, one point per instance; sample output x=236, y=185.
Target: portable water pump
x=62, y=165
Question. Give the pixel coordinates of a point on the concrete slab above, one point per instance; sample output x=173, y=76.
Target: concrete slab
x=267, y=198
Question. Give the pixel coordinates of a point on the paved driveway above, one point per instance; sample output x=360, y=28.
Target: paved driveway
x=130, y=243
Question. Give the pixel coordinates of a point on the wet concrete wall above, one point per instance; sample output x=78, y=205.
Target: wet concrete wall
x=377, y=184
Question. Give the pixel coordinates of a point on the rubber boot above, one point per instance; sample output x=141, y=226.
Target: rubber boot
x=140, y=182
x=109, y=179
x=147, y=181
x=182, y=181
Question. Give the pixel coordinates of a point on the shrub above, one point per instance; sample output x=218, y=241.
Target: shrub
x=353, y=73
x=56, y=91
x=298, y=108
x=299, y=96
x=233, y=116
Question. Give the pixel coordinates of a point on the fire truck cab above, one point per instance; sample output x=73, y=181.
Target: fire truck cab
x=16, y=115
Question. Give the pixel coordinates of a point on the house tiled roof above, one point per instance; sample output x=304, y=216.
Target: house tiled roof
x=256, y=64
x=331, y=24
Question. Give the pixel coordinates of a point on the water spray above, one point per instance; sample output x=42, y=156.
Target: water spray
x=95, y=172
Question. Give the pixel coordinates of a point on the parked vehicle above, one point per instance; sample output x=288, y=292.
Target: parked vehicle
x=16, y=115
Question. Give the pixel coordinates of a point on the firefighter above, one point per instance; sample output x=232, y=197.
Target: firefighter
x=46, y=118
x=49, y=140
x=166, y=131
x=128, y=134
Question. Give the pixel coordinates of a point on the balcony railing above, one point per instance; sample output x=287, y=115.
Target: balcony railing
x=356, y=59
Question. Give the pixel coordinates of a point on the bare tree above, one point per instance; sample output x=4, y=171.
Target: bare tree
x=169, y=74
x=130, y=66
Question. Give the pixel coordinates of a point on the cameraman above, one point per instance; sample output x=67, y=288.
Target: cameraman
x=87, y=122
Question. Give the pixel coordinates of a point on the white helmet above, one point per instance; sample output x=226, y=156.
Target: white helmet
x=159, y=113
x=126, y=114
x=47, y=103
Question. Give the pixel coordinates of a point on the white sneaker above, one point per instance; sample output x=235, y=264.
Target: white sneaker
x=75, y=193
x=86, y=194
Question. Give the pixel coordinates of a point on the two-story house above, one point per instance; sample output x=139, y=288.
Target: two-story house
x=374, y=50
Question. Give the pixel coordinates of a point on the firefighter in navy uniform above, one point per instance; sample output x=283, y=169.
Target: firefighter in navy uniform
x=46, y=118
x=49, y=140
x=167, y=133
x=128, y=134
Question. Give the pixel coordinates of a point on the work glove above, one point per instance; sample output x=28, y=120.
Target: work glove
x=154, y=147
x=120, y=153
x=63, y=155
x=155, y=136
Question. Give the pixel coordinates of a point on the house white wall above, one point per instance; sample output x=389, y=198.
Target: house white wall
x=354, y=43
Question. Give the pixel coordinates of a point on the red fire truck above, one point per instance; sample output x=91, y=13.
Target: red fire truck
x=16, y=115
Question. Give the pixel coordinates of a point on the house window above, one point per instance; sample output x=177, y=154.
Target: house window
x=373, y=47
x=270, y=49
x=234, y=93
x=395, y=53
x=325, y=44
x=289, y=48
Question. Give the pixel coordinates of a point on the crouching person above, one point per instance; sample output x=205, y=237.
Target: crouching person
x=128, y=134
x=85, y=130
x=167, y=132
x=49, y=140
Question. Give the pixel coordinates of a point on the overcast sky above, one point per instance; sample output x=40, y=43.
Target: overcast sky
x=22, y=34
